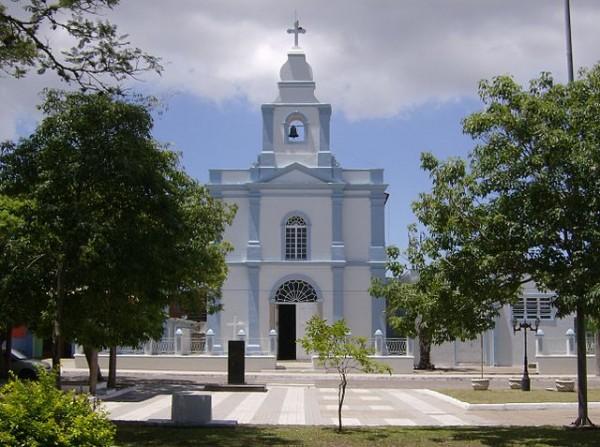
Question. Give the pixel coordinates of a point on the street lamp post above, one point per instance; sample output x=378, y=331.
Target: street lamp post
x=525, y=325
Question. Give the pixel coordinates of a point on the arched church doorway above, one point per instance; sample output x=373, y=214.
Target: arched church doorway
x=288, y=297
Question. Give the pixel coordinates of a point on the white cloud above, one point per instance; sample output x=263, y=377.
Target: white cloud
x=371, y=59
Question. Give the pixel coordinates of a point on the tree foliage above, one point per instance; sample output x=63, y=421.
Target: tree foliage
x=99, y=53
x=527, y=206
x=124, y=230
x=35, y=413
x=422, y=302
x=337, y=349
x=21, y=272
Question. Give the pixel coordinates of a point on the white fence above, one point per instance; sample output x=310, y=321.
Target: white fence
x=210, y=345
x=566, y=345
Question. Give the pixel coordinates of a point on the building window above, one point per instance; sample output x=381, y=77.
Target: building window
x=532, y=307
x=296, y=239
x=295, y=291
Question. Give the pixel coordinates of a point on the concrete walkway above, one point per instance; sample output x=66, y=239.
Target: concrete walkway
x=308, y=405
x=298, y=395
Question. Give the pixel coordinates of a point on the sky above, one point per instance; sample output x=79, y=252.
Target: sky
x=400, y=75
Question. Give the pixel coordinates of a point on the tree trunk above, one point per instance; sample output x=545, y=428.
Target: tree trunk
x=6, y=358
x=597, y=349
x=93, y=364
x=89, y=353
x=57, y=339
x=424, y=354
x=582, y=406
x=112, y=368
x=341, y=396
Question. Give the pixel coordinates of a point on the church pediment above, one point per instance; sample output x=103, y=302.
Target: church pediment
x=298, y=174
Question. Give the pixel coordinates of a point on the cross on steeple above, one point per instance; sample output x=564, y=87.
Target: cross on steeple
x=297, y=29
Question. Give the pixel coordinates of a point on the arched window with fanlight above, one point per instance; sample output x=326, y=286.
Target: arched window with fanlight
x=295, y=291
x=296, y=238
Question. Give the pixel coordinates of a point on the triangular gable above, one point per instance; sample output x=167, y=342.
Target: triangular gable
x=297, y=174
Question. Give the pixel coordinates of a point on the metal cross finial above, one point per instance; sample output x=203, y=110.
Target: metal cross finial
x=297, y=29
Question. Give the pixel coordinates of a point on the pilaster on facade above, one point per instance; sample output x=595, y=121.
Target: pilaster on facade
x=337, y=234
x=377, y=247
x=253, y=249
x=338, y=292
x=378, y=305
x=253, y=302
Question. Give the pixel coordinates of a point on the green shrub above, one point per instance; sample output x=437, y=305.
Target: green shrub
x=36, y=414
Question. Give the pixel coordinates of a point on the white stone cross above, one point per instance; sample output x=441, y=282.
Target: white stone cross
x=297, y=29
x=235, y=323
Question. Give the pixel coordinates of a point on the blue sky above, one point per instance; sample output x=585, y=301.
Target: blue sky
x=400, y=74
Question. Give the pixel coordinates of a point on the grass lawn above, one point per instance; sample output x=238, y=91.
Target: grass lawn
x=506, y=396
x=143, y=436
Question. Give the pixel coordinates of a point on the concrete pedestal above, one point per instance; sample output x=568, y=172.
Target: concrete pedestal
x=191, y=407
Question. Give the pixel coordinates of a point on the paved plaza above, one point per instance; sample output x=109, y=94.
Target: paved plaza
x=308, y=405
x=305, y=398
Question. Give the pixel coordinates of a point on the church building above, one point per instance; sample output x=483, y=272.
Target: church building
x=308, y=235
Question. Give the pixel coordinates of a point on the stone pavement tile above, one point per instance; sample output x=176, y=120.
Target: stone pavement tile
x=345, y=421
x=224, y=402
x=292, y=411
x=398, y=421
x=300, y=405
x=270, y=410
x=371, y=398
x=311, y=408
x=140, y=411
x=247, y=408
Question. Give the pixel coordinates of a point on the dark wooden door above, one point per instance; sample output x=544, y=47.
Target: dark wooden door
x=286, y=346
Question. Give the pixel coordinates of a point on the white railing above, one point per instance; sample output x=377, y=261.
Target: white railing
x=164, y=346
x=590, y=344
x=396, y=346
x=554, y=346
x=211, y=345
x=565, y=345
x=389, y=346
x=198, y=345
x=129, y=350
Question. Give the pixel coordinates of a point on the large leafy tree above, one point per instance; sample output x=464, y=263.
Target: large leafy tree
x=20, y=272
x=530, y=198
x=99, y=57
x=425, y=298
x=124, y=229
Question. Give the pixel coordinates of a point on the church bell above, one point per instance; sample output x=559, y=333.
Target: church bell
x=293, y=132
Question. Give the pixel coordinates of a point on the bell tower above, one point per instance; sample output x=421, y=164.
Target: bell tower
x=296, y=124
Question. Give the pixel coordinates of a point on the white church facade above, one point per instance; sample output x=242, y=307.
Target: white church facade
x=308, y=235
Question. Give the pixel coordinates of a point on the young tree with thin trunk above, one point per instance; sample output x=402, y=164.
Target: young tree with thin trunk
x=336, y=348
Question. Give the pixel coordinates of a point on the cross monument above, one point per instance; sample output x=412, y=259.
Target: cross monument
x=297, y=29
x=235, y=323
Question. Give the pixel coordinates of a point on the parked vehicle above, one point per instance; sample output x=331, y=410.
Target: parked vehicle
x=24, y=367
